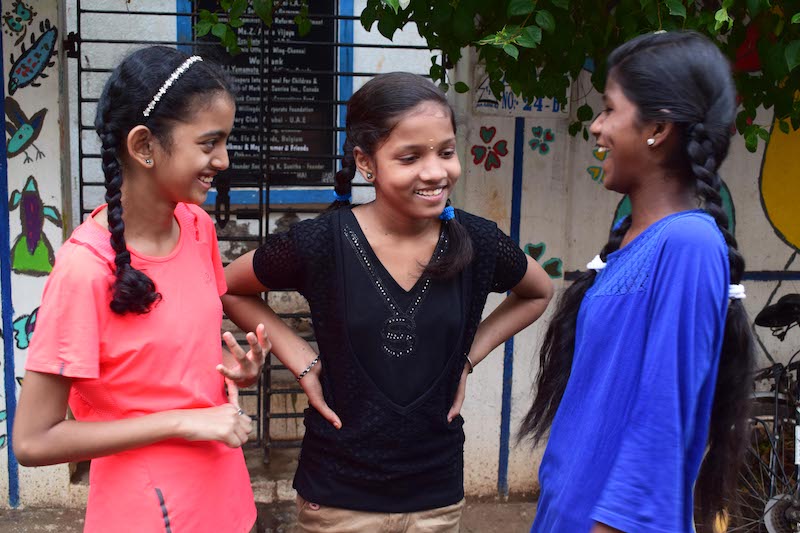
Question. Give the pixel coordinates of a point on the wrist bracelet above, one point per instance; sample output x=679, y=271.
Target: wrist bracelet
x=471, y=366
x=308, y=369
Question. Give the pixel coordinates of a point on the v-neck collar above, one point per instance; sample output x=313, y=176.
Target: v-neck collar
x=382, y=271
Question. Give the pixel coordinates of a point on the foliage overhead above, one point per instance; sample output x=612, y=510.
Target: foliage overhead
x=537, y=47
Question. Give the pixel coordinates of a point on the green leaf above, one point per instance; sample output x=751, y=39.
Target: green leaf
x=585, y=134
x=394, y=4
x=676, y=8
x=721, y=17
x=796, y=18
x=461, y=87
x=237, y=9
x=303, y=25
x=754, y=7
x=368, y=18
x=784, y=126
x=263, y=9
x=763, y=133
x=520, y=7
x=444, y=87
x=511, y=50
x=792, y=54
x=750, y=140
x=585, y=113
x=561, y=4
x=236, y=23
x=219, y=29
x=575, y=127
x=530, y=37
x=545, y=21
x=202, y=28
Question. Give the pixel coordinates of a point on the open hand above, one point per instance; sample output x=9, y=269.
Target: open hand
x=246, y=366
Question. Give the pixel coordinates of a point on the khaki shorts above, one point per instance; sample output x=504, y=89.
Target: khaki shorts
x=314, y=518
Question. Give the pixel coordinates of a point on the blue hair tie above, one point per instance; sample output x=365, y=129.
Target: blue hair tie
x=341, y=197
x=448, y=213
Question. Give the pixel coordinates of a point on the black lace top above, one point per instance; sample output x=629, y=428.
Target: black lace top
x=387, y=457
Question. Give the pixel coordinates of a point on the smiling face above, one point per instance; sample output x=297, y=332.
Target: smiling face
x=197, y=151
x=623, y=138
x=416, y=167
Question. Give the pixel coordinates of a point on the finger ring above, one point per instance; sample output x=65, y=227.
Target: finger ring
x=240, y=412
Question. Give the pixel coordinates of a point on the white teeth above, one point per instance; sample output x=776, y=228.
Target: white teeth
x=429, y=192
x=602, y=149
x=206, y=179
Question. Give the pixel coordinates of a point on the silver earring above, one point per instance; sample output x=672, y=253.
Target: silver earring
x=148, y=161
x=369, y=176
x=651, y=141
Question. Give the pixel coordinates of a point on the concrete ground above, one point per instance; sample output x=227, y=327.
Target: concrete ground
x=479, y=517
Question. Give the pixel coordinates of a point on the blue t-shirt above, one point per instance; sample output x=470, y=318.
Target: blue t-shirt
x=626, y=443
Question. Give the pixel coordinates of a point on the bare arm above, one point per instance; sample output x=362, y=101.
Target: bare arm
x=602, y=528
x=520, y=309
x=42, y=436
x=247, y=310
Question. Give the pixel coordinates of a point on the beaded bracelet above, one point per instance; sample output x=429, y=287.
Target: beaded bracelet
x=308, y=369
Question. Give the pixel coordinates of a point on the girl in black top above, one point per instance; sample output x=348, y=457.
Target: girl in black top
x=396, y=289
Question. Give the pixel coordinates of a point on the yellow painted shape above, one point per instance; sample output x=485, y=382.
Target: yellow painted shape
x=780, y=184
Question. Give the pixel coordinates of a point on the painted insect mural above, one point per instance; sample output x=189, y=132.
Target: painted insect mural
x=22, y=130
x=32, y=253
x=17, y=19
x=32, y=62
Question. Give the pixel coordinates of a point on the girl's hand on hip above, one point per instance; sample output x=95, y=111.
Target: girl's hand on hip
x=461, y=393
x=313, y=389
x=224, y=423
x=246, y=366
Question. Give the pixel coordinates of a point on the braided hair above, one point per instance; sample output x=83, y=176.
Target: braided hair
x=681, y=78
x=120, y=108
x=372, y=113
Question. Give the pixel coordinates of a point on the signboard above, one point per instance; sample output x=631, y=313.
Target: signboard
x=286, y=93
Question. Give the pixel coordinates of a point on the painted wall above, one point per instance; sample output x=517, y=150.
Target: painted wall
x=521, y=169
x=32, y=211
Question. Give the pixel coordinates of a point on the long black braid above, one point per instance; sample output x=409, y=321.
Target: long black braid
x=120, y=108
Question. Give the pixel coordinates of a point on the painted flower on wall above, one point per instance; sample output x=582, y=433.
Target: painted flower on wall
x=596, y=171
x=541, y=139
x=552, y=266
x=487, y=153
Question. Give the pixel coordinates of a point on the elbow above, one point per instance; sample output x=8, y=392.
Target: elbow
x=550, y=291
x=25, y=451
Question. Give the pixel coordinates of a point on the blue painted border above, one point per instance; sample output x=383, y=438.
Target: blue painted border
x=276, y=196
x=183, y=28
x=508, y=358
x=8, y=307
x=345, y=65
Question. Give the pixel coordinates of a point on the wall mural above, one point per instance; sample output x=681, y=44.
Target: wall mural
x=32, y=62
x=596, y=171
x=541, y=140
x=32, y=253
x=17, y=19
x=22, y=130
x=553, y=266
x=487, y=153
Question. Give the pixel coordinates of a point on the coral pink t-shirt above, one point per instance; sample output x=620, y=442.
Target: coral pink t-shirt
x=134, y=365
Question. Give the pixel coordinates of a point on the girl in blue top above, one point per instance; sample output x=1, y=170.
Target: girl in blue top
x=645, y=367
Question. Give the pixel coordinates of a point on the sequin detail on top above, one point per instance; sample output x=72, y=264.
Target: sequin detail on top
x=399, y=331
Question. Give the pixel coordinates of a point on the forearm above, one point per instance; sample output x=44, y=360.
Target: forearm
x=71, y=440
x=509, y=318
x=249, y=311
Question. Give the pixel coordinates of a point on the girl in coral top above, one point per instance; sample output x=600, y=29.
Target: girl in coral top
x=135, y=299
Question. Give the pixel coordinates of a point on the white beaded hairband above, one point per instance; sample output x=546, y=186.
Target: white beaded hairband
x=167, y=84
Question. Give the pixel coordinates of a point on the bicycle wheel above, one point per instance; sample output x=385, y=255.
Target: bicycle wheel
x=767, y=479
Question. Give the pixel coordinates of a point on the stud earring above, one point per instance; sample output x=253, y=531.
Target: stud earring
x=651, y=141
x=369, y=176
x=148, y=161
